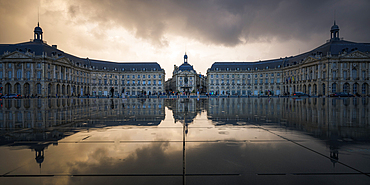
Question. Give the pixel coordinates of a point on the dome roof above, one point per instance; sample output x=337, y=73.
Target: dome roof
x=38, y=29
x=186, y=67
x=335, y=27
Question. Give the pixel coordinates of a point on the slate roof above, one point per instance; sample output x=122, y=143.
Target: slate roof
x=186, y=67
x=39, y=47
x=334, y=47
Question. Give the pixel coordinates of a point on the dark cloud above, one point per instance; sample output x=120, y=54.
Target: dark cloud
x=228, y=23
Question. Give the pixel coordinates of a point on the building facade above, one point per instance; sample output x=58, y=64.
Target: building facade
x=336, y=66
x=38, y=69
x=185, y=79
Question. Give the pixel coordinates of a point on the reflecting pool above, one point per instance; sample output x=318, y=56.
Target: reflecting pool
x=185, y=141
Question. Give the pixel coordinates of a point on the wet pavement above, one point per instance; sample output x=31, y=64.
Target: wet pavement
x=185, y=141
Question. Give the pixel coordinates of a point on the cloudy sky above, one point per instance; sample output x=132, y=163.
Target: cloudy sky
x=162, y=30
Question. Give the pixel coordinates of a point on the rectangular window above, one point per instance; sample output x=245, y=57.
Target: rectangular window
x=278, y=80
x=159, y=76
x=38, y=88
x=272, y=80
x=10, y=75
x=143, y=81
x=154, y=82
x=1, y=75
x=38, y=65
x=28, y=65
x=344, y=74
x=149, y=81
x=9, y=66
x=1, y=65
x=128, y=82
x=159, y=82
x=39, y=74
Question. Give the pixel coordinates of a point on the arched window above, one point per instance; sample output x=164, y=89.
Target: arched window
x=355, y=86
x=334, y=88
x=345, y=88
x=323, y=89
x=18, y=86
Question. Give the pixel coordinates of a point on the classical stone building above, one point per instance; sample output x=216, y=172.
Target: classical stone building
x=336, y=66
x=36, y=68
x=185, y=79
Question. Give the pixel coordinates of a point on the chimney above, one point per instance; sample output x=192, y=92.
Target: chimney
x=54, y=46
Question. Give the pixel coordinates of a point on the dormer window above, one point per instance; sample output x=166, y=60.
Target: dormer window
x=237, y=69
x=123, y=69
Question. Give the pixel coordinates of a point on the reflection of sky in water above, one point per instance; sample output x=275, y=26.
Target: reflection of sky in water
x=256, y=140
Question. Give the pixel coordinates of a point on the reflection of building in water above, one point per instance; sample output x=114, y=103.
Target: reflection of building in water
x=37, y=123
x=329, y=119
x=53, y=113
x=186, y=109
x=127, y=112
x=312, y=113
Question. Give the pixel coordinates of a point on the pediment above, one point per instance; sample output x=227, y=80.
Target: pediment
x=309, y=59
x=356, y=54
x=64, y=60
x=16, y=55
